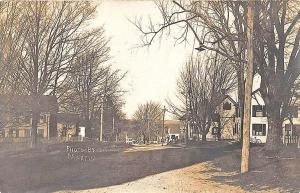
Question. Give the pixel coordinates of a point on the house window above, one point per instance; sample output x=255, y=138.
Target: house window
x=227, y=106
x=258, y=111
x=259, y=129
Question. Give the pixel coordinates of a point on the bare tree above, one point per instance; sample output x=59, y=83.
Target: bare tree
x=45, y=47
x=82, y=89
x=220, y=26
x=91, y=82
x=277, y=61
x=201, y=88
x=113, y=116
x=116, y=115
x=147, y=120
x=9, y=47
x=11, y=31
x=55, y=53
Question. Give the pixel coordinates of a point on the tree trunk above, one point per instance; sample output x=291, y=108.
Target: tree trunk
x=144, y=138
x=274, y=131
x=35, y=118
x=187, y=134
x=241, y=97
x=88, y=129
x=219, y=131
x=219, y=134
x=203, y=137
x=76, y=129
x=34, y=124
x=53, y=125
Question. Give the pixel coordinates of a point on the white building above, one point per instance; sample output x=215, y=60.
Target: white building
x=174, y=130
x=259, y=120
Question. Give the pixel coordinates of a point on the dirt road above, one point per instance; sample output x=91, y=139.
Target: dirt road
x=137, y=169
x=192, y=179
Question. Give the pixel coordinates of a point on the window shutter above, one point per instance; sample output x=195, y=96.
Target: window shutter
x=264, y=129
x=254, y=111
x=264, y=111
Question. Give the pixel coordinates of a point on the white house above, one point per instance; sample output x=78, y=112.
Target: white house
x=259, y=120
x=174, y=130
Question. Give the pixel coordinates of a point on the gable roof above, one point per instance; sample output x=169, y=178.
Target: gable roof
x=24, y=103
x=231, y=100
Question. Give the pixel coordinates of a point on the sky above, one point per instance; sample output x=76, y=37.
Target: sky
x=151, y=72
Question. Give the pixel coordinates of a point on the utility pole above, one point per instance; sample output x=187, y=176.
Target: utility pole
x=113, y=123
x=186, y=119
x=248, y=90
x=189, y=109
x=48, y=128
x=148, y=128
x=163, y=126
x=113, y=127
x=101, y=120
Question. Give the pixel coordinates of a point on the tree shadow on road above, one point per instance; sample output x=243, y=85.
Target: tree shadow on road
x=54, y=172
x=266, y=173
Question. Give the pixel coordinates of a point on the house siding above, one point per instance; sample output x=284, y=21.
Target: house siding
x=228, y=121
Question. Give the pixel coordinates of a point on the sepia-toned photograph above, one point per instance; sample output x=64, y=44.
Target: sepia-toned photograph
x=150, y=96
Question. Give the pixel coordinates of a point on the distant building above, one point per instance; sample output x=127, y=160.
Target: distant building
x=129, y=130
x=16, y=116
x=68, y=124
x=174, y=130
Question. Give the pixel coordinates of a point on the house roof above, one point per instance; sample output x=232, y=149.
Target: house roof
x=231, y=100
x=186, y=116
x=24, y=103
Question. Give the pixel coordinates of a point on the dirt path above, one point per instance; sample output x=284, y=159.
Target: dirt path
x=209, y=167
x=192, y=179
